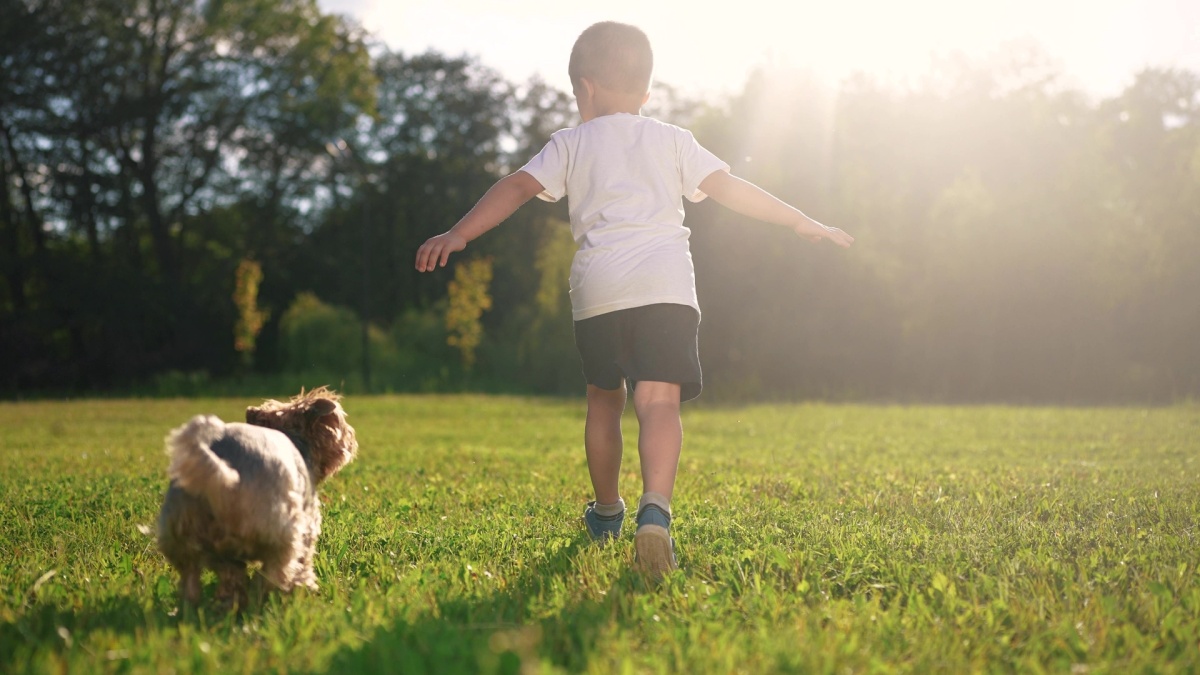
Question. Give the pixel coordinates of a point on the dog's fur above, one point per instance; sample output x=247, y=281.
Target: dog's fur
x=243, y=493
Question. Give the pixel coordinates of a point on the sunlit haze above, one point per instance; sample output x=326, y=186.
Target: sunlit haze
x=709, y=48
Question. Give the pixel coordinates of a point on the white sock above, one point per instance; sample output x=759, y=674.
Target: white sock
x=656, y=499
x=609, y=510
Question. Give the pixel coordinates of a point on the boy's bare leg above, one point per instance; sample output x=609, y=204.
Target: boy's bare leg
x=602, y=441
x=659, y=443
x=661, y=436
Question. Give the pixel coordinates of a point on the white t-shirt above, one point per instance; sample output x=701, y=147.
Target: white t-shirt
x=626, y=176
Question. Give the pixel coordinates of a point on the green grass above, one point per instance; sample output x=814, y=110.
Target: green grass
x=813, y=538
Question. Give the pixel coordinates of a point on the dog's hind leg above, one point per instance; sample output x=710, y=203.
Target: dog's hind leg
x=231, y=583
x=189, y=584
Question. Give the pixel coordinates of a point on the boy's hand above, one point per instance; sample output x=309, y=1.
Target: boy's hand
x=498, y=203
x=833, y=234
x=436, y=250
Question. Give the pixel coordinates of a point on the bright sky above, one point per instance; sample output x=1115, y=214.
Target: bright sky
x=709, y=47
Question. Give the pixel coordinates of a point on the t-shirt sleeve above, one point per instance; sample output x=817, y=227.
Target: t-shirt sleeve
x=549, y=167
x=695, y=164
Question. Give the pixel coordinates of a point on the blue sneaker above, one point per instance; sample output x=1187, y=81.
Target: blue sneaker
x=602, y=528
x=655, y=549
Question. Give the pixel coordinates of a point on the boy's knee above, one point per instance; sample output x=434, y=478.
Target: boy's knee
x=610, y=398
x=656, y=394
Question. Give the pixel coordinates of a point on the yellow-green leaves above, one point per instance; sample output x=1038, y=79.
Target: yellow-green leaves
x=468, y=300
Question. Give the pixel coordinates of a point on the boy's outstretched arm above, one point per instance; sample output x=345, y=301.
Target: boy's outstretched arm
x=750, y=200
x=498, y=203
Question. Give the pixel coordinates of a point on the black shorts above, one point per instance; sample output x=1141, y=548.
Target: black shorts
x=652, y=343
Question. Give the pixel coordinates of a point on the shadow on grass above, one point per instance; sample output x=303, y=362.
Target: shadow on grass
x=49, y=626
x=498, y=633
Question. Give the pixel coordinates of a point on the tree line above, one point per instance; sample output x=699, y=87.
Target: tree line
x=236, y=189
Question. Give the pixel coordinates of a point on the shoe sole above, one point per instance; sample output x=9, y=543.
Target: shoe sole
x=653, y=545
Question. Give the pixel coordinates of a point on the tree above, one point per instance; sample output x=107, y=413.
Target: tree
x=468, y=299
x=128, y=123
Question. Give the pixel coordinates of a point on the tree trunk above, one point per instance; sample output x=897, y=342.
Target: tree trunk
x=15, y=269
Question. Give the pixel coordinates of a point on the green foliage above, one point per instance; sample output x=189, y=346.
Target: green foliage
x=543, y=337
x=422, y=350
x=467, y=299
x=812, y=538
x=315, y=335
x=1016, y=240
x=250, y=317
x=128, y=118
x=1008, y=234
x=323, y=342
x=553, y=264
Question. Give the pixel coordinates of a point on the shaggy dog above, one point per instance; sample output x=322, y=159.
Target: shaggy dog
x=243, y=493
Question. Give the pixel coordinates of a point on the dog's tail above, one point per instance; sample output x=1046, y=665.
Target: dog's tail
x=194, y=467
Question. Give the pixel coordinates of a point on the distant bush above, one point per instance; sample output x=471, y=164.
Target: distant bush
x=317, y=336
x=534, y=348
x=179, y=384
x=325, y=341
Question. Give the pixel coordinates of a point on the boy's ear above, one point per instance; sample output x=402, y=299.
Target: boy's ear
x=589, y=87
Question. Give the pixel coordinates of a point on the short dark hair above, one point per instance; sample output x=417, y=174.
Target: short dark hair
x=613, y=55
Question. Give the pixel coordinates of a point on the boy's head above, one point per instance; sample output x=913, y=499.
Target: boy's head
x=616, y=56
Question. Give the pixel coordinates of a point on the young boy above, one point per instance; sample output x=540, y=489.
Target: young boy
x=632, y=287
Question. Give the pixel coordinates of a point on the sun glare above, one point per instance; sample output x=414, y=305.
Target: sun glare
x=706, y=50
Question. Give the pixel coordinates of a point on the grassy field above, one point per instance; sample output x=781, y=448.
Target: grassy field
x=813, y=538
